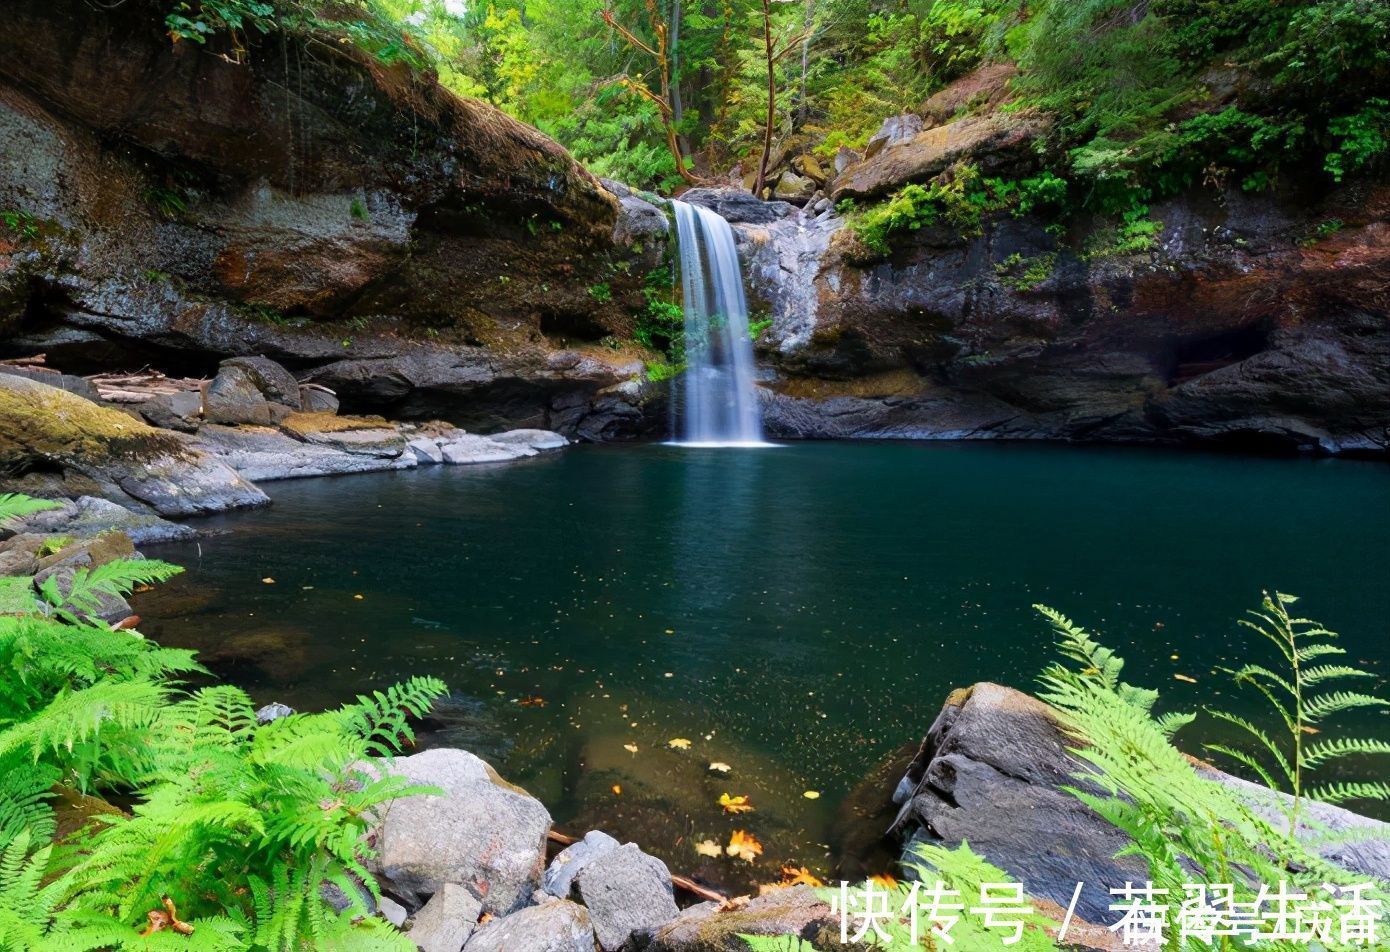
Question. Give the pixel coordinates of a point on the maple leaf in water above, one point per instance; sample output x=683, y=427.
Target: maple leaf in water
x=744, y=845
x=735, y=804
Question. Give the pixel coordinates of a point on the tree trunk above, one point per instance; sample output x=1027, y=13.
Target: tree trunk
x=771, y=98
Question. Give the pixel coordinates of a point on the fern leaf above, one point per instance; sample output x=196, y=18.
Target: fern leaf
x=1331, y=672
x=1329, y=750
x=17, y=506
x=1343, y=792
x=1325, y=705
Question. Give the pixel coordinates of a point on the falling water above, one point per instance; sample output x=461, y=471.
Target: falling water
x=715, y=402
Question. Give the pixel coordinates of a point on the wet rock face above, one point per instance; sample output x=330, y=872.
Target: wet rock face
x=189, y=207
x=1235, y=330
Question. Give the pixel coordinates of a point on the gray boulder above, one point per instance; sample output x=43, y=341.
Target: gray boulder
x=559, y=876
x=19, y=554
x=895, y=129
x=556, y=926
x=447, y=920
x=427, y=451
x=534, y=439
x=738, y=206
x=259, y=453
x=468, y=449
x=91, y=515
x=274, y=382
x=80, y=386
x=174, y=411
x=392, y=911
x=234, y=397
x=273, y=711
x=316, y=399
x=991, y=772
x=482, y=833
x=628, y=894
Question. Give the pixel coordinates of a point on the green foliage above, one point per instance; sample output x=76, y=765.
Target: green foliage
x=757, y=328
x=241, y=824
x=198, y=21
x=20, y=222
x=601, y=293
x=1303, y=697
x=358, y=210
x=1025, y=274
x=1177, y=820
x=1358, y=139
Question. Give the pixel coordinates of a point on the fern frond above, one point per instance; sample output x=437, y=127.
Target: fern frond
x=1344, y=792
x=1260, y=737
x=1325, y=705
x=1324, y=751
x=1331, y=672
x=17, y=505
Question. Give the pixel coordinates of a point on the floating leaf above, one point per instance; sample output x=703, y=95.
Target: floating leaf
x=708, y=848
x=678, y=743
x=630, y=748
x=534, y=700
x=799, y=877
x=268, y=580
x=617, y=790
x=744, y=845
x=811, y=794
x=359, y=597
x=1183, y=677
x=719, y=767
x=735, y=804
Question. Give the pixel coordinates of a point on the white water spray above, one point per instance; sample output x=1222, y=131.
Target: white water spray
x=715, y=400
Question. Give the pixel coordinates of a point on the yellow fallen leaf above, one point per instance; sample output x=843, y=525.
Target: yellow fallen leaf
x=884, y=880
x=630, y=748
x=617, y=790
x=798, y=877
x=268, y=580
x=719, y=767
x=708, y=848
x=1183, y=677
x=678, y=743
x=744, y=845
x=812, y=794
x=735, y=804
x=359, y=597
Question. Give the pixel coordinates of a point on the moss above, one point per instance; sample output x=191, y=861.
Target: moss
x=43, y=423
x=303, y=424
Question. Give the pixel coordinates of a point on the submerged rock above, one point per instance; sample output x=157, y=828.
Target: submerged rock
x=481, y=833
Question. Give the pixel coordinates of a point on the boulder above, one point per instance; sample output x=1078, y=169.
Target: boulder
x=174, y=411
x=991, y=772
x=88, y=516
x=316, y=399
x=793, y=186
x=737, y=206
x=233, y=397
x=894, y=129
x=469, y=448
x=365, y=436
x=794, y=911
x=108, y=608
x=447, y=920
x=275, y=383
x=481, y=833
x=78, y=385
x=534, y=439
x=628, y=894
x=261, y=453
x=426, y=451
x=273, y=711
x=985, y=88
x=19, y=554
x=559, y=876
x=996, y=143
x=43, y=427
x=556, y=926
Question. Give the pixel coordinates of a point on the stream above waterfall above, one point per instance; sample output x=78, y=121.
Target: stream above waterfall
x=797, y=614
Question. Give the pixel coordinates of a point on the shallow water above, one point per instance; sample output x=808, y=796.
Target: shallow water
x=796, y=613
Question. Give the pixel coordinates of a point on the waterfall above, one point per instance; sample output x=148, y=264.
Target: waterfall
x=715, y=401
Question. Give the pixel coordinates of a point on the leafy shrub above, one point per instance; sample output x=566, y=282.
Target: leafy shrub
x=235, y=827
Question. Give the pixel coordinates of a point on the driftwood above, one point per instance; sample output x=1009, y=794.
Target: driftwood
x=680, y=882
x=35, y=362
x=141, y=386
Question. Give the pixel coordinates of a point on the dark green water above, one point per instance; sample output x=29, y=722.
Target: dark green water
x=797, y=613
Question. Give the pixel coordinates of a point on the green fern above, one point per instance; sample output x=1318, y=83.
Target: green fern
x=87, y=586
x=1302, y=698
x=17, y=506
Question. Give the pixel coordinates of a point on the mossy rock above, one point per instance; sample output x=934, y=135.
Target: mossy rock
x=44, y=429
x=302, y=425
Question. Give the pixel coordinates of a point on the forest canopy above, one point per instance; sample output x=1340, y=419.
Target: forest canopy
x=1146, y=97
